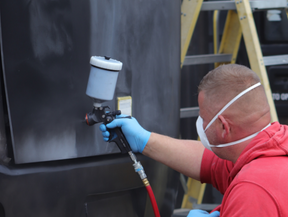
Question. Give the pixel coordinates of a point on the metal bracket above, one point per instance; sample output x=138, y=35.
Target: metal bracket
x=208, y=58
x=189, y=112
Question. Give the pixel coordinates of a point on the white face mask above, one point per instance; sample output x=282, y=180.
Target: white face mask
x=201, y=131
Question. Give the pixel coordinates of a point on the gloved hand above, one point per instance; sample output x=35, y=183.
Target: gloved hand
x=202, y=213
x=136, y=135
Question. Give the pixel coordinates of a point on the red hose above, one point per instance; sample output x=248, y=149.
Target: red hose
x=153, y=201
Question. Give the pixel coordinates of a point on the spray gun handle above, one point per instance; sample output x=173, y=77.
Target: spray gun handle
x=101, y=115
x=117, y=136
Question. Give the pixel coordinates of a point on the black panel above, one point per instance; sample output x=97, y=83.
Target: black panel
x=96, y=205
x=278, y=77
x=99, y=186
x=45, y=52
x=276, y=31
x=46, y=48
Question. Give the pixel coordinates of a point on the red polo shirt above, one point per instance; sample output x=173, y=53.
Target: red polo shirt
x=257, y=184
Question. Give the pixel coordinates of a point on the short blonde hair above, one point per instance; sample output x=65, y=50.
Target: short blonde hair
x=225, y=82
x=229, y=79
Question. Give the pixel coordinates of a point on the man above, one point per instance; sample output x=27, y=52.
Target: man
x=245, y=157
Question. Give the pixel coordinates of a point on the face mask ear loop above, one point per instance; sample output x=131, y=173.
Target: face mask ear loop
x=229, y=103
x=241, y=140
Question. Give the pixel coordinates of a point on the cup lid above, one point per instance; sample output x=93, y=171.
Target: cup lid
x=106, y=63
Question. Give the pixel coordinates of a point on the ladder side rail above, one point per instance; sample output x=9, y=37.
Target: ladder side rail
x=254, y=50
x=231, y=37
x=190, y=11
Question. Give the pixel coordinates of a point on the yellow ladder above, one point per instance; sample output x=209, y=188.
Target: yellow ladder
x=239, y=22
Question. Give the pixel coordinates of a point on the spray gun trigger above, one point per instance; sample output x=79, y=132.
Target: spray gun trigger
x=118, y=112
x=112, y=136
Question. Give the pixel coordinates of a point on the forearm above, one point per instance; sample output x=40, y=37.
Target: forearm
x=184, y=156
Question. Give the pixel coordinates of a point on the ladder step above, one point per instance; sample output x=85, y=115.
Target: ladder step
x=214, y=58
x=218, y=5
x=207, y=58
x=184, y=212
x=255, y=5
x=275, y=60
x=180, y=212
x=189, y=112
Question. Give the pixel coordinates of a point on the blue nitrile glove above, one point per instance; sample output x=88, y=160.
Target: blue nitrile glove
x=136, y=135
x=202, y=213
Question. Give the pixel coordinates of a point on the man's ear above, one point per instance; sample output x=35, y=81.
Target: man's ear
x=225, y=126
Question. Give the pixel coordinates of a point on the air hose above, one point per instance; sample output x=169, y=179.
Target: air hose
x=140, y=170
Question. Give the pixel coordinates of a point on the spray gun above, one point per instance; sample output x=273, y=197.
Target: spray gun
x=101, y=87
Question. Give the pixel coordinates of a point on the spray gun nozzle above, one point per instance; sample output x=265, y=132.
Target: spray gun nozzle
x=90, y=119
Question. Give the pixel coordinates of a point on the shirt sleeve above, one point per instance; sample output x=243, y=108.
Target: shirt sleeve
x=215, y=171
x=249, y=199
